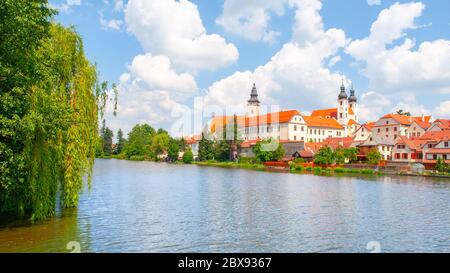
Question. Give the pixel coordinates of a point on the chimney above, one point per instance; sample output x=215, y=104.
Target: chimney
x=423, y=118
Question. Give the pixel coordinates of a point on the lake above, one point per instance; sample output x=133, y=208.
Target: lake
x=151, y=207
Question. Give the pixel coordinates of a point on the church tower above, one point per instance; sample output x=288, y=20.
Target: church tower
x=253, y=103
x=353, y=102
x=342, y=109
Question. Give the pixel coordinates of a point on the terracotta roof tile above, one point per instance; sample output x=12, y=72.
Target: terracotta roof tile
x=322, y=122
x=332, y=112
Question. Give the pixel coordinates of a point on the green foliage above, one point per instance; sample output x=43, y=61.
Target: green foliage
x=268, y=150
x=173, y=151
x=367, y=171
x=299, y=168
x=205, y=149
x=160, y=142
x=221, y=150
x=325, y=156
x=317, y=169
x=339, y=170
x=107, y=136
x=246, y=160
x=139, y=141
x=441, y=166
x=309, y=169
x=188, y=157
x=48, y=111
x=299, y=160
x=374, y=156
x=120, y=142
x=351, y=154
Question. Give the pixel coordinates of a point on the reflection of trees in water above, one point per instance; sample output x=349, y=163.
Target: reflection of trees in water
x=46, y=236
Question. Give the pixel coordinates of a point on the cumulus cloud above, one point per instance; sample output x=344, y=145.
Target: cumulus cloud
x=175, y=29
x=373, y=2
x=400, y=68
x=251, y=19
x=151, y=92
x=297, y=76
x=443, y=110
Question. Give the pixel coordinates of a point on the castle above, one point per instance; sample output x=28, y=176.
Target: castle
x=291, y=125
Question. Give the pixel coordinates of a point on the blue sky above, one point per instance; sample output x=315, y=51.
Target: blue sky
x=237, y=51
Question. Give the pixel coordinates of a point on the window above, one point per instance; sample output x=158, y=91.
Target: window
x=295, y=137
x=387, y=129
x=404, y=156
x=295, y=127
x=397, y=156
x=303, y=129
x=446, y=144
x=379, y=130
x=387, y=122
x=395, y=129
x=340, y=115
x=341, y=103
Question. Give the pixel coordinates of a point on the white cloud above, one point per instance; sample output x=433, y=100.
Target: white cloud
x=151, y=92
x=251, y=19
x=401, y=68
x=175, y=29
x=67, y=5
x=443, y=110
x=372, y=105
x=114, y=24
x=297, y=76
x=373, y=2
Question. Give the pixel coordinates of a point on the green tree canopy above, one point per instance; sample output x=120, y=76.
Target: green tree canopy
x=268, y=150
x=188, y=157
x=49, y=107
x=326, y=156
x=139, y=141
x=374, y=156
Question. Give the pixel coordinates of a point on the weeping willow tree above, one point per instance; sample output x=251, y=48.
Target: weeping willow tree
x=49, y=104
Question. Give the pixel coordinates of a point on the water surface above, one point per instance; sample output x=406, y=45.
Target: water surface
x=150, y=207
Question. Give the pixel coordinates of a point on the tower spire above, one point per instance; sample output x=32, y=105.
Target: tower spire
x=254, y=96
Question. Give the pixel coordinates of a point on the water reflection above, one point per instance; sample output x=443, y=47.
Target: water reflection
x=147, y=207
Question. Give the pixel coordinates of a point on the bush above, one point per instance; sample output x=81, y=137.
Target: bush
x=188, y=157
x=317, y=169
x=299, y=160
x=309, y=168
x=367, y=171
x=339, y=170
x=299, y=168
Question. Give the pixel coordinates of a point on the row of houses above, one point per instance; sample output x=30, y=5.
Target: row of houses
x=399, y=138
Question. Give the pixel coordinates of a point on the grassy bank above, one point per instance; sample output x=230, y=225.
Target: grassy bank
x=232, y=165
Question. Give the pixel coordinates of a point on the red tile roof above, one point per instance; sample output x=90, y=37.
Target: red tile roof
x=338, y=142
x=271, y=118
x=352, y=122
x=436, y=135
x=407, y=120
x=413, y=144
x=322, y=122
x=324, y=113
x=444, y=124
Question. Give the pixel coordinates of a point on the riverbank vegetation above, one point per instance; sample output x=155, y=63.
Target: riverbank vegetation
x=50, y=100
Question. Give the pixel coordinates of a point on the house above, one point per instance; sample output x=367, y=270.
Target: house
x=193, y=143
x=309, y=151
x=439, y=125
x=363, y=132
x=417, y=128
x=380, y=143
x=436, y=146
x=408, y=150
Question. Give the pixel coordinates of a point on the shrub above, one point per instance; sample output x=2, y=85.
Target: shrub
x=299, y=168
x=309, y=168
x=317, y=169
x=339, y=170
x=299, y=160
x=188, y=157
x=367, y=171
